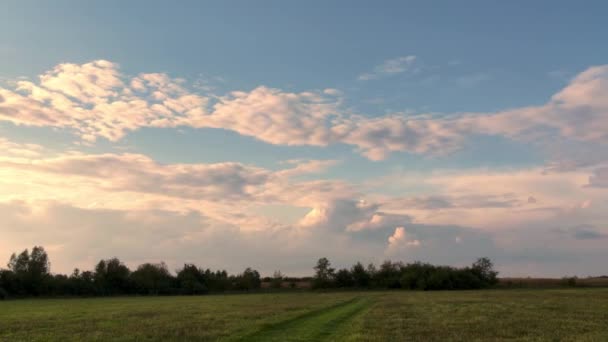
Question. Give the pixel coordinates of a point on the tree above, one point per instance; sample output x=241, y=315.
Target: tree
x=388, y=275
x=344, y=278
x=112, y=277
x=18, y=264
x=324, y=274
x=191, y=280
x=153, y=279
x=484, y=269
x=361, y=276
x=248, y=280
x=32, y=271
x=217, y=281
x=82, y=283
x=5, y=283
x=277, y=280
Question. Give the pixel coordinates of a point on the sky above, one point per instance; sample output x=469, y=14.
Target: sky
x=269, y=134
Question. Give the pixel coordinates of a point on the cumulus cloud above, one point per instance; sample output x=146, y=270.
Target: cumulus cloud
x=274, y=116
x=579, y=111
x=131, y=181
x=400, y=239
x=338, y=214
x=376, y=138
x=96, y=100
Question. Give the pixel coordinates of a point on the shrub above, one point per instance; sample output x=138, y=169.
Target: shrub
x=569, y=281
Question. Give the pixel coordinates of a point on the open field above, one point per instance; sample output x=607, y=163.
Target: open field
x=554, y=314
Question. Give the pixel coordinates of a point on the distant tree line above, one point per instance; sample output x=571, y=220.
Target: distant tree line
x=413, y=276
x=29, y=275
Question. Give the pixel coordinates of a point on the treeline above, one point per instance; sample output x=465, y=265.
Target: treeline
x=29, y=275
x=414, y=276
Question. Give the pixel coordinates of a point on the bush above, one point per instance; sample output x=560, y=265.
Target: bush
x=569, y=281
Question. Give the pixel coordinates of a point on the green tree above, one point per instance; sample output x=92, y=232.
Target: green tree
x=32, y=271
x=248, y=280
x=484, y=269
x=361, y=276
x=153, y=279
x=343, y=278
x=324, y=274
x=191, y=280
x=112, y=277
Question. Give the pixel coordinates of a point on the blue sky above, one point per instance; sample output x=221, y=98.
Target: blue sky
x=383, y=115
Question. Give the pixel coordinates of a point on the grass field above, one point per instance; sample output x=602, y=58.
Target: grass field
x=532, y=315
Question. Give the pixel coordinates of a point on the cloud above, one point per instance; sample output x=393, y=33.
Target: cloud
x=376, y=138
x=95, y=100
x=136, y=182
x=138, y=173
x=494, y=200
x=579, y=112
x=389, y=67
x=585, y=232
x=11, y=149
x=90, y=206
x=400, y=239
x=451, y=245
x=79, y=237
x=338, y=214
x=275, y=117
x=436, y=202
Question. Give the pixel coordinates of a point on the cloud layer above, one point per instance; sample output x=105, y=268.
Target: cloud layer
x=84, y=205
x=95, y=100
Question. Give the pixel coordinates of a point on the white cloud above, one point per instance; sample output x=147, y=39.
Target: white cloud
x=400, y=239
x=96, y=100
x=389, y=67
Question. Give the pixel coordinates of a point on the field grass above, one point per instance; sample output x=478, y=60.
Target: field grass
x=531, y=315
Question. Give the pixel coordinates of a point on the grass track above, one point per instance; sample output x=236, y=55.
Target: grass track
x=318, y=325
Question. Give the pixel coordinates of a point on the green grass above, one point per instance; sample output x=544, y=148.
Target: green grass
x=530, y=315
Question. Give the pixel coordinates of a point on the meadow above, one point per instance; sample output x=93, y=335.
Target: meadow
x=530, y=315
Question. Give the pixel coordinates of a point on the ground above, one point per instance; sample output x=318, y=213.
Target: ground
x=529, y=315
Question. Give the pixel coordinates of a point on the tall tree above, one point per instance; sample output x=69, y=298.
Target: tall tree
x=112, y=277
x=191, y=280
x=31, y=271
x=324, y=274
x=152, y=279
